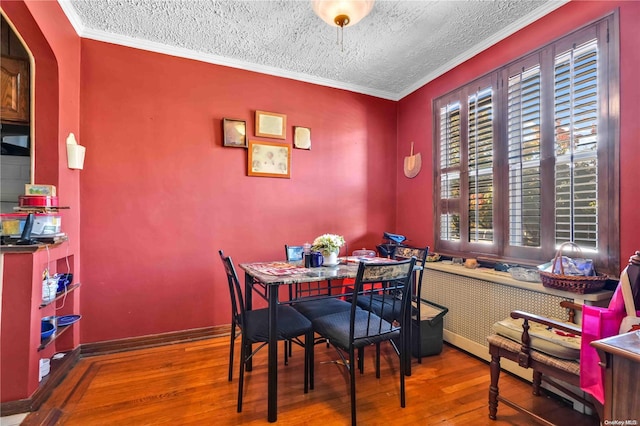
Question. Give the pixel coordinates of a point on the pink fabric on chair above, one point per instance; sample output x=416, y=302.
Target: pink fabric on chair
x=598, y=323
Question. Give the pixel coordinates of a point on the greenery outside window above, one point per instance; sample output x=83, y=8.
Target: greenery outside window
x=526, y=157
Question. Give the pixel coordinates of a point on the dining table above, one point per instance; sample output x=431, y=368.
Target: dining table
x=266, y=278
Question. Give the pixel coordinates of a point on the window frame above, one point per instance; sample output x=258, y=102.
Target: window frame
x=607, y=258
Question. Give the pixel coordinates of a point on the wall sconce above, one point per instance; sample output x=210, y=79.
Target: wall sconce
x=75, y=153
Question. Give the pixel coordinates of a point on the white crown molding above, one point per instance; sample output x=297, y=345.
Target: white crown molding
x=151, y=46
x=227, y=62
x=135, y=43
x=478, y=48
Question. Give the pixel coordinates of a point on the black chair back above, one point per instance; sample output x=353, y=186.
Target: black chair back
x=237, y=302
x=395, y=278
x=406, y=252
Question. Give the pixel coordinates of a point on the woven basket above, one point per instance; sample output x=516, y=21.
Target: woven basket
x=573, y=283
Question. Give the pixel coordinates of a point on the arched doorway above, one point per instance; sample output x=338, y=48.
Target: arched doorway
x=15, y=118
x=44, y=87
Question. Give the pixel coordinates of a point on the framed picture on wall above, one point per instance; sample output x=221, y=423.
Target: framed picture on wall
x=301, y=137
x=271, y=125
x=269, y=159
x=234, y=133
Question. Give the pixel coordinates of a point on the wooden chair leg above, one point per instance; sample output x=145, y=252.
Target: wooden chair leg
x=537, y=380
x=493, y=388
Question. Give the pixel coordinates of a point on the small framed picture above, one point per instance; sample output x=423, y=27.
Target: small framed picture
x=234, y=133
x=302, y=137
x=269, y=159
x=271, y=125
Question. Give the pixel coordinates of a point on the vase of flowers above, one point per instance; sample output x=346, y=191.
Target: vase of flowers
x=329, y=245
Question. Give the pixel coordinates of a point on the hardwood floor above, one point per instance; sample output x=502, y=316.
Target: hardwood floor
x=186, y=384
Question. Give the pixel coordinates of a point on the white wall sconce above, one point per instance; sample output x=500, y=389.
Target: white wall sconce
x=75, y=153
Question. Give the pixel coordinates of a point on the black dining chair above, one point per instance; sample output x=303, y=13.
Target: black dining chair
x=383, y=307
x=314, y=299
x=420, y=253
x=353, y=330
x=304, y=293
x=292, y=254
x=254, y=328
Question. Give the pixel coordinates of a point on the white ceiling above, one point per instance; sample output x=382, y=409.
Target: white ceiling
x=398, y=47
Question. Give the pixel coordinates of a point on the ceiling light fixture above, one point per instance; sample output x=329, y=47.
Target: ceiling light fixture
x=342, y=12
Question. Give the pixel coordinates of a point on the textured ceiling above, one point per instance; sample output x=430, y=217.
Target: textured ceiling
x=397, y=48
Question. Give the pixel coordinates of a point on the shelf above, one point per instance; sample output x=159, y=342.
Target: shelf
x=59, y=331
x=32, y=248
x=61, y=295
x=40, y=209
x=22, y=341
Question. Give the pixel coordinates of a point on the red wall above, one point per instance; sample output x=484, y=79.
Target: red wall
x=55, y=46
x=415, y=196
x=160, y=194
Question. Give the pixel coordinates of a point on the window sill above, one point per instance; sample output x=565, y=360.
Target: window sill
x=504, y=278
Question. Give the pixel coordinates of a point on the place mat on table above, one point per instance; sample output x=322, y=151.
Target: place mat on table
x=278, y=268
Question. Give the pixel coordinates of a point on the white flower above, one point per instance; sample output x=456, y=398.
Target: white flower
x=328, y=243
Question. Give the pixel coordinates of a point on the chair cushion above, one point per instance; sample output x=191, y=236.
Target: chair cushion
x=313, y=309
x=570, y=366
x=386, y=308
x=542, y=338
x=291, y=323
x=335, y=327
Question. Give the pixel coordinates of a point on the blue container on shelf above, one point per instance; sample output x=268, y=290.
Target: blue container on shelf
x=64, y=281
x=47, y=329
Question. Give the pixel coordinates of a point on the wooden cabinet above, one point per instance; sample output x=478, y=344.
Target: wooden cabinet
x=620, y=356
x=14, y=103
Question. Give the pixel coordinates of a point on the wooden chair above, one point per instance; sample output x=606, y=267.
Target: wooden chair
x=254, y=328
x=350, y=331
x=545, y=367
x=528, y=353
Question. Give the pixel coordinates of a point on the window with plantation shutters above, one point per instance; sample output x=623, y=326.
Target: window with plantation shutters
x=576, y=112
x=450, y=170
x=523, y=156
x=480, y=166
x=526, y=157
